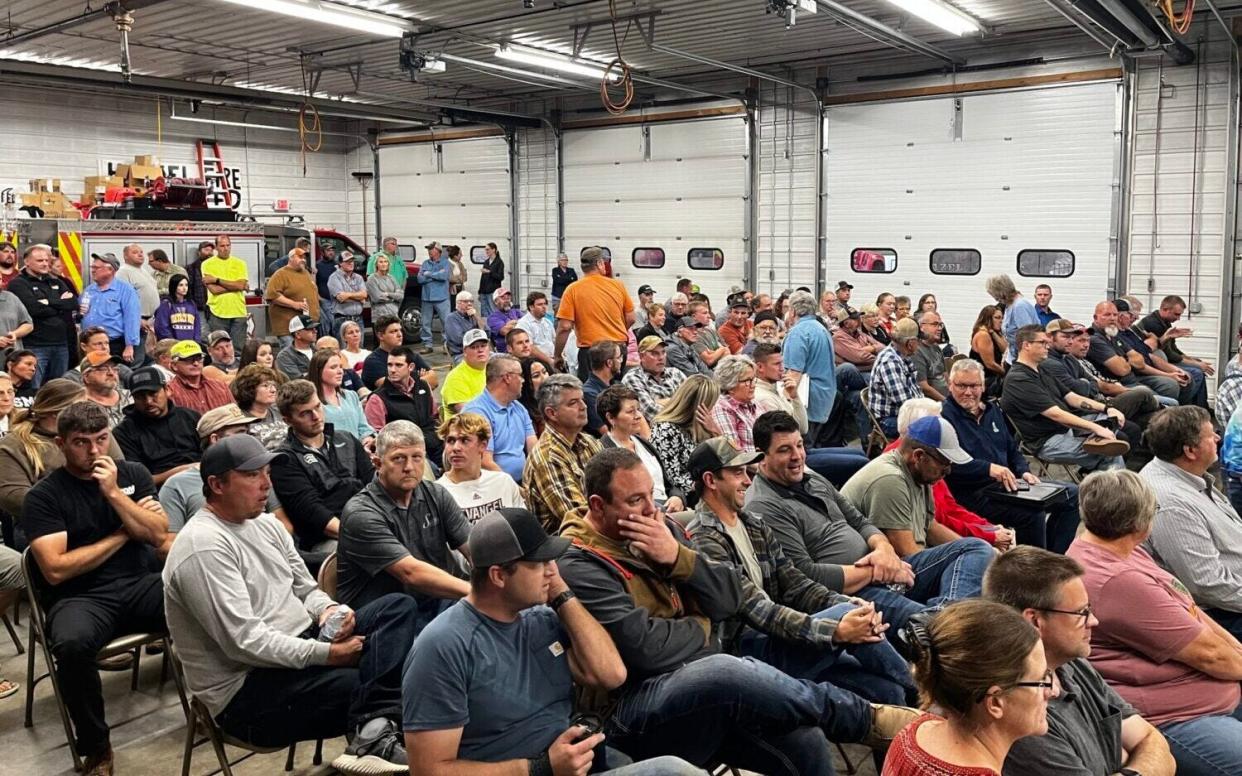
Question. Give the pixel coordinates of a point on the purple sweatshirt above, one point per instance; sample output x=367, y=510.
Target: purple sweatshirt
x=178, y=320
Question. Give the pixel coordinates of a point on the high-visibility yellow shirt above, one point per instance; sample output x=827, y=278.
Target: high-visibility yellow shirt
x=231, y=304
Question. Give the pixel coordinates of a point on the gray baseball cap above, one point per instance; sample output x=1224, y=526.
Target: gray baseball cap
x=509, y=534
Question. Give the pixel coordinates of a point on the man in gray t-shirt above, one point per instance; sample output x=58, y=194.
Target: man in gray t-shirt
x=929, y=358
x=399, y=533
x=15, y=322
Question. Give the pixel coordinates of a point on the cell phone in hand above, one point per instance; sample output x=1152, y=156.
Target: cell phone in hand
x=590, y=722
x=1023, y=485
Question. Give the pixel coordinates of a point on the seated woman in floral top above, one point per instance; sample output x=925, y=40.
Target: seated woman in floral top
x=685, y=421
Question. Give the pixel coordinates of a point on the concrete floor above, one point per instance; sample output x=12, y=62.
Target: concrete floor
x=148, y=730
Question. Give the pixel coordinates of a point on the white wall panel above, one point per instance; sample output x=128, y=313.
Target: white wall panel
x=675, y=186
x=1177, y=189
x=49, y=133
x=1030, y=170
x=786, y=152
x=454, y=192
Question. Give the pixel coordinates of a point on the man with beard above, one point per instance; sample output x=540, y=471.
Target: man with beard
x=1111, y=356
x=766, y=331
x=1067, y=363
x=852, y=345
x=653, y=382
x=8, y=264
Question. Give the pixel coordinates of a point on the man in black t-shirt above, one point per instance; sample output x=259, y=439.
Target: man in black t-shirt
x=92, y=525
x=156, y=432
x=1048, y=420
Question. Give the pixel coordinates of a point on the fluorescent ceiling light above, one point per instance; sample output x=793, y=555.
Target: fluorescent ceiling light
x=551, y=61
x=354, y=19
x=939, y=13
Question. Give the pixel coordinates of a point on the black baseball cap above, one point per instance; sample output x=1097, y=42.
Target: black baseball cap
x=843, y=284
x=688, y=322
x=645, y=289
x=716, y=454
x=240, y=452
x=505, y=535
x=146, y=379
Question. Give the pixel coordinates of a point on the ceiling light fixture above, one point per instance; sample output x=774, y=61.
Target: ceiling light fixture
x=551, y=61
x=940, y=14
x=354, y=19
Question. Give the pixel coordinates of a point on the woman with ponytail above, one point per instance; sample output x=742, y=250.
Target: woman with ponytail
x=981, y=666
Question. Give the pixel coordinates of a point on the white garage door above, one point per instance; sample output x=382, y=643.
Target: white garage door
x=929, y=196
x=666, y=200
x=454, y=192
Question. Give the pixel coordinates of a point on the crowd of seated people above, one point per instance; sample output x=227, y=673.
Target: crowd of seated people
x=550, y=565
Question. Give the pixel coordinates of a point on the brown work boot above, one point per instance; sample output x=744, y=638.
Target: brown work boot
x=1108, y=448
x=99, y=764
x=122, y=662
x=886, y=723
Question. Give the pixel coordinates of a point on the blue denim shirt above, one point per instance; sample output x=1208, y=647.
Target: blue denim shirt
x=808, y=349
x=433, y=276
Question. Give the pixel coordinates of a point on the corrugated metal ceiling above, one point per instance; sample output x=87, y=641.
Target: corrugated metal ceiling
x=212, y=40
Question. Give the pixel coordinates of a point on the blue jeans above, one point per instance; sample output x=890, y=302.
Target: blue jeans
x=441, y=309
x=277, y=706
x=1207, y=746
x=1196, y=392
x=950, y=572
x=741, y=711
x=896, y=608
x=836, y=464
x=52, y=362
x=1028, y=522
x=850, y=383
x=326, y=314
x=889, y=426
x=485, y=305
x=1067, y=448
x=1233, y=487
x=873, y=671
x=236, y=327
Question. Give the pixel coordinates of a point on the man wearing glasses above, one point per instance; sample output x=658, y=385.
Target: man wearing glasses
x=189, y=388
x=999, y=468
x=929, y=358
x=1091, y=730
x=1049, y=422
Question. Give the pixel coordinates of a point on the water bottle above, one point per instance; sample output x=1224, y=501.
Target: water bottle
x=84, y=304
x=332, y=625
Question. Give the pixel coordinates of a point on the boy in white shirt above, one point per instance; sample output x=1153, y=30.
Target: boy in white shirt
x=476, y=490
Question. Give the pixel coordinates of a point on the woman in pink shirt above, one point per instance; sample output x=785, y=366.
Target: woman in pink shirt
x=1153, y=644
x=982, y=666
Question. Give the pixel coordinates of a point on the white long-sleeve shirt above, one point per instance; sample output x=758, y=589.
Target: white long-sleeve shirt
x=236, y=596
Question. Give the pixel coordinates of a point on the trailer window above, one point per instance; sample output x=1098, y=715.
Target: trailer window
x=1042, y=263
x=705, y=258
x=880, y=260
x=956, y=261
x=478, y=254
x=648, y=258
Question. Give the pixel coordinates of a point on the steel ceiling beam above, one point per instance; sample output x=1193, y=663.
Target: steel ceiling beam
x=896, y=36
x=105, y=11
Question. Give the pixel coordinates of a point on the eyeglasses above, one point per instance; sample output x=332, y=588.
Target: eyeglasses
x=745, y=380
x=1046, y=684
x=968, y=386
x=1084, y=613
x=1042, y=343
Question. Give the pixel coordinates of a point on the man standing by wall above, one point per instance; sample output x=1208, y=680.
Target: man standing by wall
x=289, y=292
x=348, y=291
x=47, y=298
x=596, y=308
x=227, y=281
x=433, y=276
x=131, y=272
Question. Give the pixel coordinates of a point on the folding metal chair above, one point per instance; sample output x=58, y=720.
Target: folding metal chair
x=327, y=576
x=36, y=589
x=197, y=715
x=872, y=445
x=1042, y=465
x=10, y=598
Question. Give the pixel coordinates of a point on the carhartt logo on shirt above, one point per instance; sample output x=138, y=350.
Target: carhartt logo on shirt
x=556, y=649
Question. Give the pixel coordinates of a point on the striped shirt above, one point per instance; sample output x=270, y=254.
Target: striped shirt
x=1197, y=535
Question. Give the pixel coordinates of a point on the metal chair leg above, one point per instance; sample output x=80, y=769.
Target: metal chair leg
x=318, y=759
x=133, y=681
x=188, y=754
x=17, y=642
x=30, y=678
x=850, y=767
x=221, y=755
x=293, y=748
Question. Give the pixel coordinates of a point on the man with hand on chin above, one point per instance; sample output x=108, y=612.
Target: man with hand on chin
x=93, y=525
x=274, y=659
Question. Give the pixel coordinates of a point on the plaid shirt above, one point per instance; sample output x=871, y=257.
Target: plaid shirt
x=737, y=421
x=893, y=381
x=553, y=476
x=784, y=606
x=651, y=388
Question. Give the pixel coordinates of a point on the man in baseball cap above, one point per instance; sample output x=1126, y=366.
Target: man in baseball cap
x=234, y=550
x=468, y=379
x=518, y=606
x=654, y=381
x=182, y=494
x=681, y=351
x=99, y=378
x=294, y=359
x=811, y=616
x=894, y=492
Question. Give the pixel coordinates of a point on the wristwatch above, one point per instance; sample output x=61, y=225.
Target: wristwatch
x=560, y=600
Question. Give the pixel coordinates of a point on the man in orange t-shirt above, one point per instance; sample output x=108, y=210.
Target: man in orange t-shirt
x=596, y=308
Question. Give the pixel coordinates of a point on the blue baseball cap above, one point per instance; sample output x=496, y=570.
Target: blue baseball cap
x=938, y=433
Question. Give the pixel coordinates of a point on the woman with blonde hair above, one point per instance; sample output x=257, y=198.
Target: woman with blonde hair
x=981, y=665
x=684, y=422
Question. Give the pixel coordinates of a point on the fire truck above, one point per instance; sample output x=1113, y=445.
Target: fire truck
x=257, y=244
